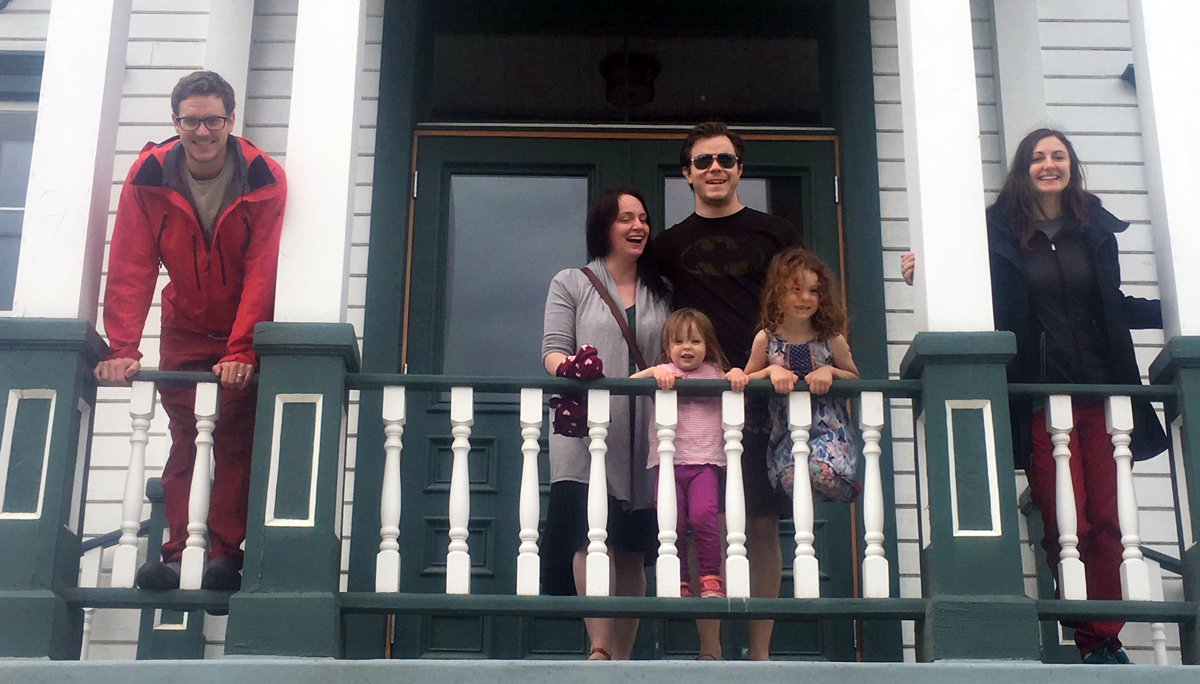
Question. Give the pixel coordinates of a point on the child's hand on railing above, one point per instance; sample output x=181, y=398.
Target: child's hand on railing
x=737, y=379
x=781, y=378
x=664, y=378
x=820, y=380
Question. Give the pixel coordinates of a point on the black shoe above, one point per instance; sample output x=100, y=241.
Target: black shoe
x=221, y=574
x=158, y=576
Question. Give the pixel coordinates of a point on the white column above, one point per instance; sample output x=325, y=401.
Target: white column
x=737, y=566
x=529, y=507
x=666, y=571
x=1168, y=91
x=806, y=569
x=70, y=177
x=1017, y=64
x=227, y=47
x=141, y=412
x=314, y=251
x=1060, y=420
x=387, y=561
x=944, y=165
x=191, y=571
x=458, y=555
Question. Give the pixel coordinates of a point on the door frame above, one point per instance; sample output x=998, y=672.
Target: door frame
x=849, y=91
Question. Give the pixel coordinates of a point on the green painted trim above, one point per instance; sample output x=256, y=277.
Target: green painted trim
x=1177, y=353
x=21, y=75
x=978, y=628
x=308, y=339
x=177, y=599
x=52, y=334
x=957, y=348
x=420, y=382
x=620, y=606
x=163, y=644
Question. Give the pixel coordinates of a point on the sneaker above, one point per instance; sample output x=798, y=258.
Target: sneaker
x=221, y=574
x=1103, y=656
x=712, y=585
x=685, y=589
x=158, y=576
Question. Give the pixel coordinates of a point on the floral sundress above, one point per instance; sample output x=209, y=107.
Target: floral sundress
x=833, y=460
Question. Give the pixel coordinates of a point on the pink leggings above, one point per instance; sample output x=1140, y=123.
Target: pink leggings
x=697, y=490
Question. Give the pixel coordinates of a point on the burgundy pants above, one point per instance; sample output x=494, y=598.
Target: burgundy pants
x=697, y=491
x=1094, y=476
x=232, y=441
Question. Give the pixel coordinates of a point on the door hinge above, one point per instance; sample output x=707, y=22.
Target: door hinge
x=415, y=173
x=837, y=190
x=405, y=371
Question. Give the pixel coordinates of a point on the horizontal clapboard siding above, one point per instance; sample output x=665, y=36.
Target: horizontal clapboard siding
x=167, y=41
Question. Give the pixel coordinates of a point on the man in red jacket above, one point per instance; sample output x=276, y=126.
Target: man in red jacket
x=208, y=207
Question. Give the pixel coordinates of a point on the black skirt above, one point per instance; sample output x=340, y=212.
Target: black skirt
x=566, y=533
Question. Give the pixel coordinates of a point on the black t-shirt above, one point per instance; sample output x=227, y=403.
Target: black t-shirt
x=719, y=266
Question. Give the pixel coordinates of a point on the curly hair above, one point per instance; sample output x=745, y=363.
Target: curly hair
x=679, y=323
x=1017, y=200
x=830, y=318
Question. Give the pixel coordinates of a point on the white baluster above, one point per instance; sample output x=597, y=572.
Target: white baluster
x=141, y=410
x=1158, y=631
x=89, y=578
x=387, y=561
x=737, y=566
x=1135, y=576
x=597, y=501
x=666, y=569
x=191, y=569
x=1072, y=582
x=806, y=571
x=458, y=556
x=875, y=563
x=528, y=562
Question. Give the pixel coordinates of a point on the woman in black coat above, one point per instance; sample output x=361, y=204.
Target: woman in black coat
x=1056, y=284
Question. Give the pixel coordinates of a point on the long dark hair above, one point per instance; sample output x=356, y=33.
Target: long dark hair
x=601, y=215
x=1017, y=200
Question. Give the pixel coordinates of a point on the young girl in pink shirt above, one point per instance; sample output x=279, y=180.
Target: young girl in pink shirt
x=690, y=351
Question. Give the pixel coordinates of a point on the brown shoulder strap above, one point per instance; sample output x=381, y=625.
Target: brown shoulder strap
x=619, y=315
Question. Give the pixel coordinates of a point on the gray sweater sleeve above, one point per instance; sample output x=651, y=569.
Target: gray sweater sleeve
x=558, y=326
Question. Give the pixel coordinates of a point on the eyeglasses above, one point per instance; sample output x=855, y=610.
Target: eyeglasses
x=212, y=123
x=725, y=159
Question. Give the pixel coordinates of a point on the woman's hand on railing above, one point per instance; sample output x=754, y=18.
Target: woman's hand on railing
x=116, y=372
x=737, y=379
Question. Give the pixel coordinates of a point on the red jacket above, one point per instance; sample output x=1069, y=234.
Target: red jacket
x=222, y=286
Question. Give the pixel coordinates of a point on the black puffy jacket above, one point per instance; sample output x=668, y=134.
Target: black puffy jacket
x=1012, y=310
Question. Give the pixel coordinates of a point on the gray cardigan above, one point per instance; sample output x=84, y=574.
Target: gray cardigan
x=575, y=315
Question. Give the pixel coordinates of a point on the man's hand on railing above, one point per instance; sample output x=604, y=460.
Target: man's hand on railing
x=116, y=372
x=234, y=375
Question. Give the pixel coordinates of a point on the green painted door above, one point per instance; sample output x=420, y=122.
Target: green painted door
x=496, y=215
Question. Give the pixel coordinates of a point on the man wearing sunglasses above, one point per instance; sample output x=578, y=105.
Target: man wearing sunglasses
x=716, y=260
x=208, y=207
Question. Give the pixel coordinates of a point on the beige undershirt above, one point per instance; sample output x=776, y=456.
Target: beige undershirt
x=207, y=195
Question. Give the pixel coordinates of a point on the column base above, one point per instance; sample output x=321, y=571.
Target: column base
x=39, y=624
x=979, y=628
x=285, y=624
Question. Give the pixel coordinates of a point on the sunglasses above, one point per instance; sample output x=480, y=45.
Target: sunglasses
x=725, y=159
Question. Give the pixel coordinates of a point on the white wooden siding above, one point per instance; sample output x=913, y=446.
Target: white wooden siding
x=23, y=25
x=167, y=41
x=1085, y=49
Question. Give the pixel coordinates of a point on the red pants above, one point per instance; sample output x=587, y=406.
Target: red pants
x=1094, y=475
x=232, y=442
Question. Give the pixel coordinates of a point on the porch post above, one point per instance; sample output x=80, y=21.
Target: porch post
x=1164, y=35
x=47, y=351
x=288, y=603
x=970, y=556
x=1017, y=64
x=70, y=176
x=227, y=47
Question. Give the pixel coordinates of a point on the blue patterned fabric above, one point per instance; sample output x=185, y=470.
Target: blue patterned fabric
x=833, y=461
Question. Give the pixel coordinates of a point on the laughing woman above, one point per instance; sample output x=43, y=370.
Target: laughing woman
x=577, y=313
x=1056, y=284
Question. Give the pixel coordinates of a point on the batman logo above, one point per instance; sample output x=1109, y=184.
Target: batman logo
x=719, y=255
